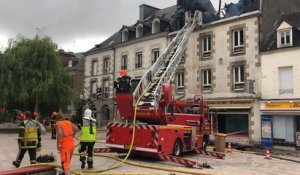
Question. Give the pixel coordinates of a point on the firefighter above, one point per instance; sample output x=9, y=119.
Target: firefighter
x=29, y=139
x=34, y=115
x=87, y=139
x=122, y=84
x=53, y=121
x=65, y=141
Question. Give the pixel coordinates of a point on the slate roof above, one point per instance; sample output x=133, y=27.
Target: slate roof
x=292, y=19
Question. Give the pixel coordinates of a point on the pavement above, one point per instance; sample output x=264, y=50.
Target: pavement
x=234, y=163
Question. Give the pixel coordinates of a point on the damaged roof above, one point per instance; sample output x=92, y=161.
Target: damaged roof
x=292, y=19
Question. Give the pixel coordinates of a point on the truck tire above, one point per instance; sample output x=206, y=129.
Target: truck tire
x=177, y=148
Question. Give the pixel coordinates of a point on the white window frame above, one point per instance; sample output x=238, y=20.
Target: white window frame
x=106, y=66
x=138, y=60
x=206, y=46
x=106, y=89
x=180, y=82
x=239, y=46
x=239, y=83
x=155, y=55
x=94, y=67
x=206, y=77
x=124, y=59
x=286, y=81
x=287, y=33
x=93, y=89
x=70, y=63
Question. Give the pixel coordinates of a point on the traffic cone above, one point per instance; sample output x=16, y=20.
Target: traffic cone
x=229, y=150
x=268, y=155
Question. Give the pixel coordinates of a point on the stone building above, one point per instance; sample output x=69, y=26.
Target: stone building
x=221, y=61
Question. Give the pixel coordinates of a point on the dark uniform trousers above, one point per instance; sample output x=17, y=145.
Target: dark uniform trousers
x=53, y=131
x=89, y=147
x=31, y=152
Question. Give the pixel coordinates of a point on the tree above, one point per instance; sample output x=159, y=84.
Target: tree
x=32, y=77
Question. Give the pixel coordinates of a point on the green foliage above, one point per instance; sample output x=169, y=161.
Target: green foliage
x=79, y=107
x=32, y=77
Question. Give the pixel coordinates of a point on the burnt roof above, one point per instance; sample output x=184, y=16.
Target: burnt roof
x=292, y=19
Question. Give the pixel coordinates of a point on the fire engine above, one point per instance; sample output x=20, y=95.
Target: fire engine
x=151, y=121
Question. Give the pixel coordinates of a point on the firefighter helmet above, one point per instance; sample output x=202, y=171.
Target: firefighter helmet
x=87, y=113
x=123, y=73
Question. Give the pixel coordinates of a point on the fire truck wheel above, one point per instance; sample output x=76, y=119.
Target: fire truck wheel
x=177, y=148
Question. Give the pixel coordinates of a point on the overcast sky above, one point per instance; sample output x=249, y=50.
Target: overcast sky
x=75, y=25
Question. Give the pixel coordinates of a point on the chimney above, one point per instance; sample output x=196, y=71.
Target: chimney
x=146, y=11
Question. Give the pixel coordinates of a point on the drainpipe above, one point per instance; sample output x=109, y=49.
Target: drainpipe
x=114, y=78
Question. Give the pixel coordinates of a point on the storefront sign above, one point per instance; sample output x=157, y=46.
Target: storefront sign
x=230, y=103
x=282, y=105
x=266, y=131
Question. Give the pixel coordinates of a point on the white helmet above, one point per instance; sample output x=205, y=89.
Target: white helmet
x=87, y=113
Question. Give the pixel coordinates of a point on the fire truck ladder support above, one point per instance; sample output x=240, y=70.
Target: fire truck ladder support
x=162, y=71
x=186, y=162
x=210, y=153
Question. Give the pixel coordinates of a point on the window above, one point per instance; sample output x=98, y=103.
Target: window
x=238, y=41
x=139, y=31
x=138, y=60
x=206, y=46
x=124, y=62
x=94, y=68
x=206, y=77
x=285, y=37
x=124, y=35
x=106, y=66
x=70, y=63
x=182, y=60
x=93, y=89
x=156, y=26
x=155, y=55
x=286, y=85
x=106, y=89
x=180, y=82
x=238, y=77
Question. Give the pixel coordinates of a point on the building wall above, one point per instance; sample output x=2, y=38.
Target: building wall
x=221, y=62
x=271, y=61
x=146, y=48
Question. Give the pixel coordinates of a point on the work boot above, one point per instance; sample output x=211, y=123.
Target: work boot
x=16, y=164
x=90, y=166
x=82, y=160
x=82, y=165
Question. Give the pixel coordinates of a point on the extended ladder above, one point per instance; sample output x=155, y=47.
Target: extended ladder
x=162, y=71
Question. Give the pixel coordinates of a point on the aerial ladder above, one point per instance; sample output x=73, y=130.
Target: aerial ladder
x=159, y=132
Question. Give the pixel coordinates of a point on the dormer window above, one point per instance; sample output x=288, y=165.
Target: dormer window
x=124, y=35
x=139, y=31
x=156, y=26
x=285, y=38
x=284, y=35
x=70, y=63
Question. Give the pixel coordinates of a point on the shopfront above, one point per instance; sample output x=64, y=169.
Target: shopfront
x=285, y=117
x=233, y=118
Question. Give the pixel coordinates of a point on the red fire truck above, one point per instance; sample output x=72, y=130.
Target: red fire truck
x=151, y=121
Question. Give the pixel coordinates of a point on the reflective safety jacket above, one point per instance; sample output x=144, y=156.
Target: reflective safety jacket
x=88, y=130
x=29, y=134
